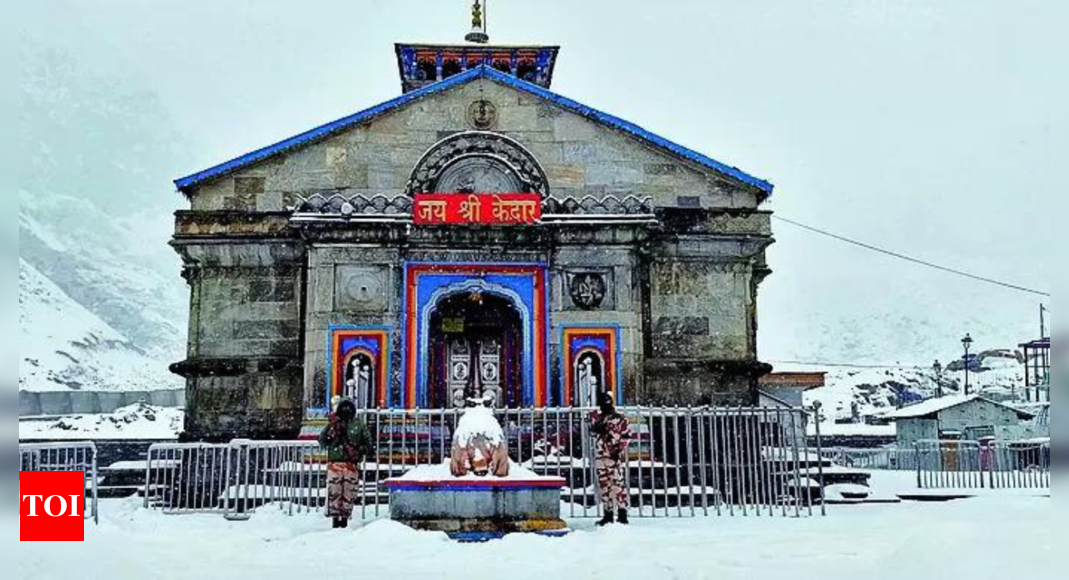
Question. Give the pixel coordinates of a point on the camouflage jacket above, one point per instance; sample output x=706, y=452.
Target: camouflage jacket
x=345, y=442
x=612, y=434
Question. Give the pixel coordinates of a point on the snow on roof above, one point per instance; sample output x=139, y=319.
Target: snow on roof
x=183, y=184
x=940, y=404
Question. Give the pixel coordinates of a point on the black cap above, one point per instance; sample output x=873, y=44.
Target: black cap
x=346, y=410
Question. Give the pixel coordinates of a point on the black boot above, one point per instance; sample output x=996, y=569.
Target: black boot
x=336, y=523
x=621, y=517
x=606, y=519
x=343, y=523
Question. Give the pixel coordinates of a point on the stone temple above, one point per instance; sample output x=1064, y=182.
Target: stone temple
x=477, y=235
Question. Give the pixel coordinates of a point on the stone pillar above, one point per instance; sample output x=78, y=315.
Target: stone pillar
x=703, y=274
x=244, y=369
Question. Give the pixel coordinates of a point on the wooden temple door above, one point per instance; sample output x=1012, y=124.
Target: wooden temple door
x=476, y=351
x=475, y=365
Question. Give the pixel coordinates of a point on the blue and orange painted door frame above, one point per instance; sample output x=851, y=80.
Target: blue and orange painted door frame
x=525, y=285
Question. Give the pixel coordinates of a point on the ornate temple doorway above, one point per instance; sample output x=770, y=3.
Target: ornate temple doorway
x=476, y=344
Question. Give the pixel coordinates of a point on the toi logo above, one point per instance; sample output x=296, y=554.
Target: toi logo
x=51, y=506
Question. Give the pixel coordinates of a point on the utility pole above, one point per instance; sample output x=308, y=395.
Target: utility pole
x=1042, y=320
x=937, y=368
x=967, y=343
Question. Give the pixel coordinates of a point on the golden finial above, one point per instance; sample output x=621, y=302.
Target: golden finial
x=476, y=16
x=478, y=24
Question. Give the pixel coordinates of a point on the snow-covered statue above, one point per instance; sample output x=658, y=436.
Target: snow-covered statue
x=479, y=445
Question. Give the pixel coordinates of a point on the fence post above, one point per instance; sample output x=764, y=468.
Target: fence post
x=990, y=468
x=148, y=474
x=917, y=459
x=96, y=514
x=820, y=462
x=226, y=483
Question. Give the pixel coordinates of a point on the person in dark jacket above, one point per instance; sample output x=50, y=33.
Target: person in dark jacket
x=348, y=443
x=612, y=435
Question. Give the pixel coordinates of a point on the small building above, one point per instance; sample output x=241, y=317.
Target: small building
x=958, y=417
x=786, y=389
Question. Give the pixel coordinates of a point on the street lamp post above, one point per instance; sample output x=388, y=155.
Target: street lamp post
x=967, y=343
x=938, y=369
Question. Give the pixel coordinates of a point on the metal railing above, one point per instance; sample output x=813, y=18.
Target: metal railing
x=889, y=459
x=683, y=462
x=976, y=465
x=64, y=456
x=188, y=477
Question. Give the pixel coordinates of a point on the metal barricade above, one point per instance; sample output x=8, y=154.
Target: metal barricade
x=188, y=477
x=682, y=462
x=884, y=458
x=63, y=456
x=985, y=464
x=287, y=474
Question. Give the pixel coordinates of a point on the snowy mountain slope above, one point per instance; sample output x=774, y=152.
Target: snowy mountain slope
x=102, y=305
x=127, y=278
x=62, y=345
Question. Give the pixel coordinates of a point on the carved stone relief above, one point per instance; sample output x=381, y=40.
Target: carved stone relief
x=589, y=290
x=478, y=175
x=361, y=288
x=482, y=115
x=438, y=170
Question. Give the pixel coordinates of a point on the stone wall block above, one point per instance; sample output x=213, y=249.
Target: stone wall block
x=55, y=403
x=85, y=402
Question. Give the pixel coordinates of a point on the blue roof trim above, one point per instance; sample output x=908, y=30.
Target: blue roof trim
x=322, y=131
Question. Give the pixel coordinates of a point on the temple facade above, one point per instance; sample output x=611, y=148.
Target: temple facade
x=479, y=235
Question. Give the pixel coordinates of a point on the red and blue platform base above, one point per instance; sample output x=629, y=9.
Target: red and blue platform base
x=477, y=509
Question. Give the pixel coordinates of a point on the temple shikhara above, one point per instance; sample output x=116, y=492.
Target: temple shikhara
x=479, y=235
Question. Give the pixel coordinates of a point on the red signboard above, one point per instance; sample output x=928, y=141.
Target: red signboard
x=477, y=208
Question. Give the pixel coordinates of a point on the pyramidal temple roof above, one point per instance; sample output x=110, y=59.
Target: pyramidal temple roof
x=185, y=184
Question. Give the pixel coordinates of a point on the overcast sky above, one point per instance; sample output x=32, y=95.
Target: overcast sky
x=932, y=127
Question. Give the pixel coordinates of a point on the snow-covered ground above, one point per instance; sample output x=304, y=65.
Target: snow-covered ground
x=138, y=421
x=997, y=538
x=891, y=484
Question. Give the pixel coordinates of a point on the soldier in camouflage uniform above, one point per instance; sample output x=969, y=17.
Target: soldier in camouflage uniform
x=347, y=442
x=612, y=436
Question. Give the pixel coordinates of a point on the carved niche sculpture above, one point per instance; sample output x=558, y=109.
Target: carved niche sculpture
x=587, y=290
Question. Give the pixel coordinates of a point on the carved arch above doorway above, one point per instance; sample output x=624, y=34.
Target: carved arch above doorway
x=478, y=162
